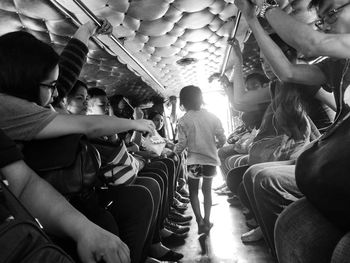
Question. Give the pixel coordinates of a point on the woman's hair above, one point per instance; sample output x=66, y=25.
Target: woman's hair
x=75, y=88
x=24, y=62
x=95, y=92
x=191, y=98
x=289, y=113
x=288, y=106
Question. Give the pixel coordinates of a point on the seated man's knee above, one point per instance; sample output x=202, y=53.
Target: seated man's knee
x=302, y=234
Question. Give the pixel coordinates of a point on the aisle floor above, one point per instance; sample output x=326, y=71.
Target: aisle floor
x=224, y=244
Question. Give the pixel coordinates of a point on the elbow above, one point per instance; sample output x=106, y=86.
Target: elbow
x=286, y=77
x=309, y=47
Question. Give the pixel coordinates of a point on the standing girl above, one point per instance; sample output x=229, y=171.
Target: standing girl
x=201, y=133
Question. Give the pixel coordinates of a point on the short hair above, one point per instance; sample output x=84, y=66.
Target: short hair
x=154, y=114
x=191, y=97
x=95, y=92
x=288, y=51
x=315, y=3
x=24, y=62
x=75, y=88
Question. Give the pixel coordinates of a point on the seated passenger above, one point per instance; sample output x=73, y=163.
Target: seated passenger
x=285, y=120
x=253, y=119
x=93, y=243
x=271, y=189
x=23, y=99
x=130, y=216
x=313, y=174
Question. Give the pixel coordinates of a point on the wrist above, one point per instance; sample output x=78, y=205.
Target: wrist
x=267, y=6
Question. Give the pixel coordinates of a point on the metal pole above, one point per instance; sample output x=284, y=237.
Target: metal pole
x=226, y=57
x=228, y=50
x=94, y=18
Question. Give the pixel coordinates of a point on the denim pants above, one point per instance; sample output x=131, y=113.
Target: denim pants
x=270, y=188
x=224, y=152
x=303, y=235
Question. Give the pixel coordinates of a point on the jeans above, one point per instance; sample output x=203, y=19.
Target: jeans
x=270, y=188
x=225, y=152
x=303, y=235
x=234, y=178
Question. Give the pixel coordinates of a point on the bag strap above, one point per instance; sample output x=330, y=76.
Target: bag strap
x=15, y=206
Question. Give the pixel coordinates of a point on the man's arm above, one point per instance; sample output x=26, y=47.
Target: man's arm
x=182, y=140
x=307, y=40
x=53, y=210
x=245, y=100
x=61, y=218
x=281, y=66
x=74, y=54
x=327, y=98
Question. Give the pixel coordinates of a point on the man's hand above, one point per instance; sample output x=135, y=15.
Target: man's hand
x=146, y=126
x=96, y=244
x=105, y=29
x=236, y=50
x=138, y=113
x=247, y=8
x=90, y=29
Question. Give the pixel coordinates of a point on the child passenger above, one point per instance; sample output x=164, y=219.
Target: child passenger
x=201, y=133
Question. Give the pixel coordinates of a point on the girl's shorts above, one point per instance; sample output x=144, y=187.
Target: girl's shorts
x=196, y=171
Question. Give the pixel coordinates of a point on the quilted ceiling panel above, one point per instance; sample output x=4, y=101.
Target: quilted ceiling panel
x=158, y=33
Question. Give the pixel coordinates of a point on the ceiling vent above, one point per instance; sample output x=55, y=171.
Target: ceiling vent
x=186, y=61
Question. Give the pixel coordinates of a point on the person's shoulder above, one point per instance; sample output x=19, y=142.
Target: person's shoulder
x=8, y=100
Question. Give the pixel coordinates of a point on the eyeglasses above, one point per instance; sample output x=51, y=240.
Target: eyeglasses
x=51, y=86
x=330, y=18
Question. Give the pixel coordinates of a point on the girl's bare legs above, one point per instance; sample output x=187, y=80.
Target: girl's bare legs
x=206, y=190
x=193, y=185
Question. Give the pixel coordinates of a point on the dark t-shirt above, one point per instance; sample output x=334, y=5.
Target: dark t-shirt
x=322, y=171
x=9, y=152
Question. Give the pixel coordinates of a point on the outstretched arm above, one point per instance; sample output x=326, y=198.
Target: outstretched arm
x=93, y=126
x=61, y=218
x=281, y=66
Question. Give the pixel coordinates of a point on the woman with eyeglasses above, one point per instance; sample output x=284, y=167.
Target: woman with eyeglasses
x=29, y=71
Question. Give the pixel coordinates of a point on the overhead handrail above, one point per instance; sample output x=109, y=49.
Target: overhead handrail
x=229, y=48
x=75, y=21
x=94, y=18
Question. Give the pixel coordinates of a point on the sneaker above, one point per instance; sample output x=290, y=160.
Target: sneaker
x=223, y=191
x=220, y=187
x=252, y=236
x=183, y=191
x=177, y=229
x=182, y=199
x=178, y=205
x=179, y=218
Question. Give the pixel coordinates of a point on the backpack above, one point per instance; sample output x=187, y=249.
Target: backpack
x=69, y=163
x=21, y=238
